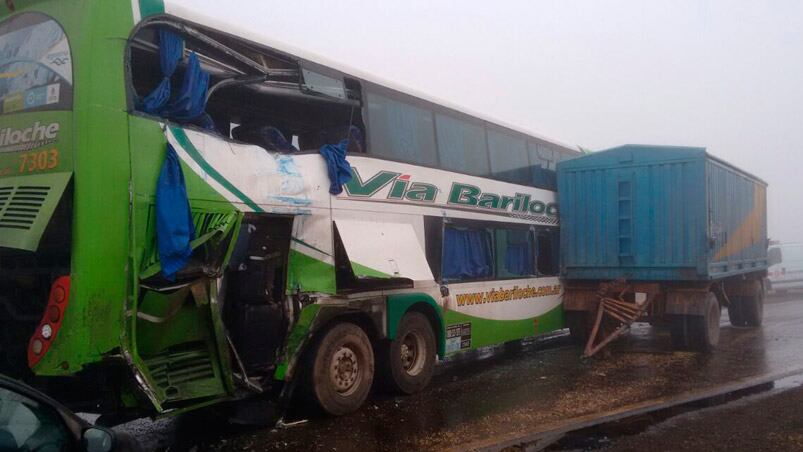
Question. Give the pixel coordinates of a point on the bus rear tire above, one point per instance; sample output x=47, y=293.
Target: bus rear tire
x=408, y=361
x=342, y=369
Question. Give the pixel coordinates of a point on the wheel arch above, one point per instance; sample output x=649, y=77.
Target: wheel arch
x=313, y=324
x=399, y=305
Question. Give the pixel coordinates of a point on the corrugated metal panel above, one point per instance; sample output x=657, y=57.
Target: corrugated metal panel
x=738, y=220
x=641, y=212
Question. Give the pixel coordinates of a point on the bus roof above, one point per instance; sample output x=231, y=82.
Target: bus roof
x=200, y=18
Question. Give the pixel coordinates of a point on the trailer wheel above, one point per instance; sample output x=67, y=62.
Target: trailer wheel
x=342, y=369
x=580, y=324
x=735, y=311
x=408, y=361
x=698, y=333
x=752, y=306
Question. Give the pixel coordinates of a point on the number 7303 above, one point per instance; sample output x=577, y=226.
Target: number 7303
x=38, y=161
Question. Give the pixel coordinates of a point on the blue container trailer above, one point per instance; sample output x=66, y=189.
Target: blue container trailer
x=673, y=226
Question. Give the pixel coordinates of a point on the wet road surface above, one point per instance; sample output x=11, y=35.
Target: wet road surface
x=767, y=421
x=517, y=390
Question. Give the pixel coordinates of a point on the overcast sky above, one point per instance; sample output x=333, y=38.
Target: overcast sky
x=726, y=75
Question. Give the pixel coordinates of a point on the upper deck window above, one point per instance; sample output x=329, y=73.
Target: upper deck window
x=509, y=160
x=461, y=145
x=401, y=131
x=244, y=91
x=35, y=65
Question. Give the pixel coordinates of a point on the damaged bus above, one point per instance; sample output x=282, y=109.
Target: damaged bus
x=190, y=214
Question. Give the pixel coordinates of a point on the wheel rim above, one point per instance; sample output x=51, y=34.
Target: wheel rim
x=413, y=353
x=345, y=372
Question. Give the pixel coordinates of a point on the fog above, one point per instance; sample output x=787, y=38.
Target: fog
x=726, y=75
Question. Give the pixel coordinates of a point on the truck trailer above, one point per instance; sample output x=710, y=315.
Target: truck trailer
x=663, y=234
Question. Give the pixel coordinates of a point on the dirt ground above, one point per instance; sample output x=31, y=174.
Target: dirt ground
x=758, y=423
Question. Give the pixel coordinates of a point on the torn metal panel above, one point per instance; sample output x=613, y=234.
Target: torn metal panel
x=384, y=250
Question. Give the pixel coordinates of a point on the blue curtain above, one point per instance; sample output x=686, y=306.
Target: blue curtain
x=174, y=226
x=190, y=101
x=336, y=165
x=467, y=254
x=171, y=48
x=519, y=259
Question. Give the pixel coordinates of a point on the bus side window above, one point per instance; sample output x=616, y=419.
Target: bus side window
x=467, y=254
x=514, y=253
x=547, y=257
x=262, y=97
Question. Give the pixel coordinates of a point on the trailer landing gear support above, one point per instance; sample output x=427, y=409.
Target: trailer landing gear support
x=621, y=312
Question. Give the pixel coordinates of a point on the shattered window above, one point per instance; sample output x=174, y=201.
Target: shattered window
x=253, y=94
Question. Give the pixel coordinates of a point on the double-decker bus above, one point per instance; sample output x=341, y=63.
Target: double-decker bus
x=191, y=214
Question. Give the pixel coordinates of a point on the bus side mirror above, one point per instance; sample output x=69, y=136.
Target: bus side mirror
x=444, y=291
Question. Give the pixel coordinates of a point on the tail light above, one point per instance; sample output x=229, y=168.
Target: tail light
x=51, y=320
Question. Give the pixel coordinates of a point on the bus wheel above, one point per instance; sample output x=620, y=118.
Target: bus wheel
x=409, y=360
x=342, y=369
x=699, y=332
x=752, y=306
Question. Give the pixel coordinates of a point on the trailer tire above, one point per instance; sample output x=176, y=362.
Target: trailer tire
x=408, y=361
x=735, y=311
x=342, y=369
x=752, y=306
x=698, y=332
x=580, y=324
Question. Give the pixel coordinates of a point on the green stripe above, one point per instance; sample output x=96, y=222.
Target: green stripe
x=151, y=7
x=307, y=274
x=364, y=271
x=186, y=144
x=491, y=332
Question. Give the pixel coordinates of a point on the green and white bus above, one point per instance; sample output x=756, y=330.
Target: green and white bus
x=440, y=238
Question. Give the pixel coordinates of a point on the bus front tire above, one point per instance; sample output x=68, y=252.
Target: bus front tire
x=408, y=361
x=342, y=369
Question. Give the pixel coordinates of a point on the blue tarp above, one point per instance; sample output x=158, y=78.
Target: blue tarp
x=336, y=165
x=467, y=254
x=174, y=225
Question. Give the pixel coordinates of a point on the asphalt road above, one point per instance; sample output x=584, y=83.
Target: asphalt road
x=514, y=391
